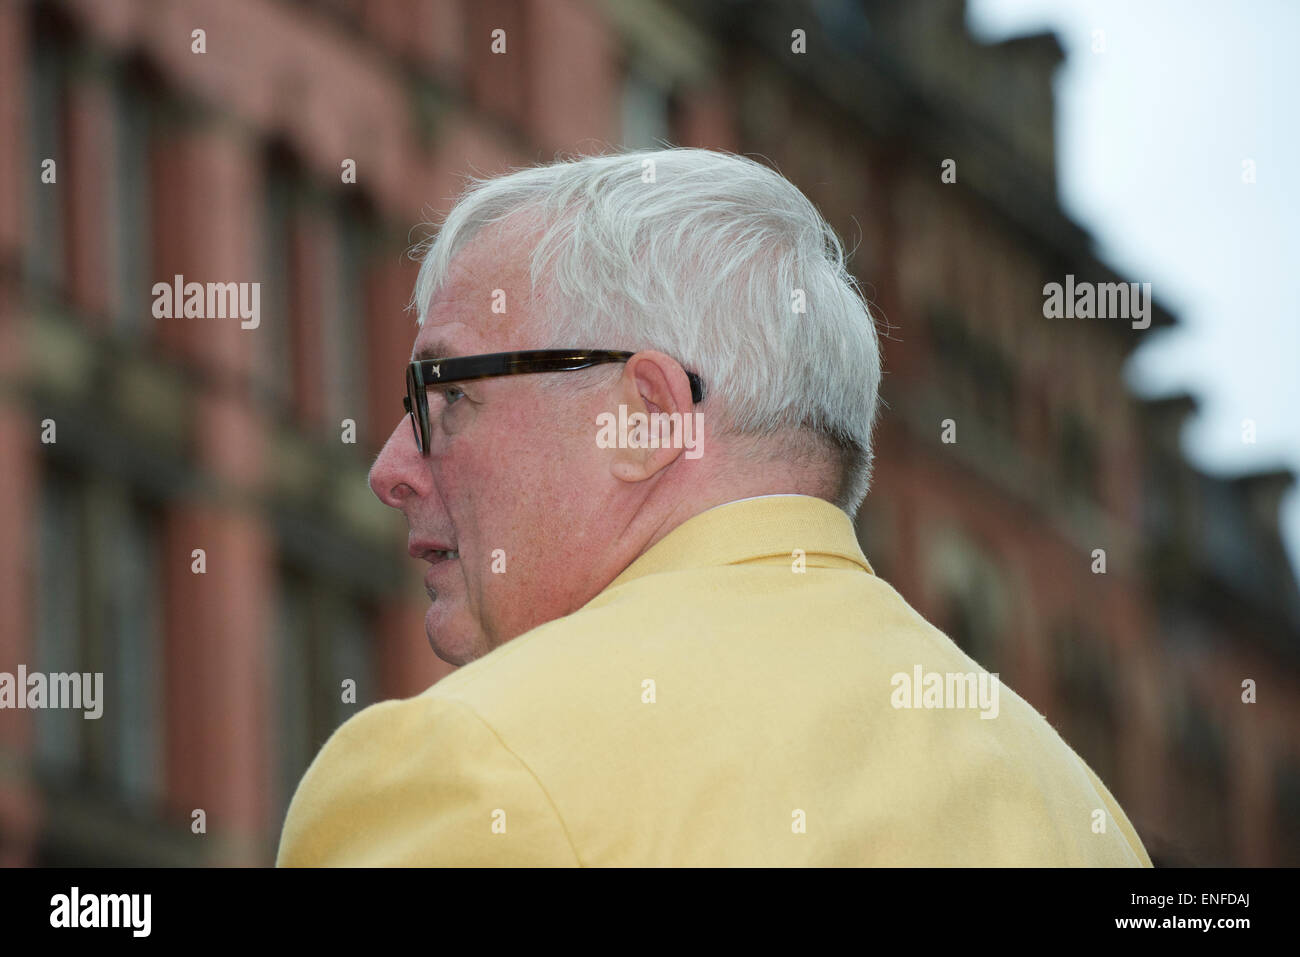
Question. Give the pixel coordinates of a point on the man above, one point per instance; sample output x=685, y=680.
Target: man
x=641, y=552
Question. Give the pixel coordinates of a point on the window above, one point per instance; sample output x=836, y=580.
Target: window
x=967, y=620
x=970, y=594
x=345, y=300
x=296, y=738
x=275, y=366
x=982, y=377
x=646, y=110
x=98, y=607
x=47, y=118
x=844, y=24
x=132, y=651
x=60, y=606
x=1085, y=682
x=131, y=242
x=1201, y=784
x=322, y=640
x=313, y=255
x=1078, y=450
x=996, y=386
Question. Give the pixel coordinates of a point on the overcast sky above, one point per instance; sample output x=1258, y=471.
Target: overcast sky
x=1151, y=135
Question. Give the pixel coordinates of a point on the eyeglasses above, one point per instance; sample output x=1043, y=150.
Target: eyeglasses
x=423, y=373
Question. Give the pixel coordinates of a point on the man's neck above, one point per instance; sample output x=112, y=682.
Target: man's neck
x=685, y=511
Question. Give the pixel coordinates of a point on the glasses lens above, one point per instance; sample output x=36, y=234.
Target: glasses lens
x=413, y=408
x=415, y=427
x=410, y=413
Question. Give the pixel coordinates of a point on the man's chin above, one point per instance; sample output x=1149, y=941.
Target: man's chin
x=452, y=642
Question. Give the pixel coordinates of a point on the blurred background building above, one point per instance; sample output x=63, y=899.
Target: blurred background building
x=176, y=435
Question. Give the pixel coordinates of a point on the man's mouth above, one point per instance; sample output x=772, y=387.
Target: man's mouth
x=437, y=558
x=432, y=551
x=437, y=555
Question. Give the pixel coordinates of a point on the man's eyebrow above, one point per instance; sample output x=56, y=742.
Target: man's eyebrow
x=435, y=350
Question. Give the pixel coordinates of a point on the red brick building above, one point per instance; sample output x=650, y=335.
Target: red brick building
x=223, y=156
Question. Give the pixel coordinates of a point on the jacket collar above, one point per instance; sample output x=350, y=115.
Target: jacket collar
x=752, y=529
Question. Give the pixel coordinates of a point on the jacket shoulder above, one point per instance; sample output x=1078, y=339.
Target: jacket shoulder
x=420, y=781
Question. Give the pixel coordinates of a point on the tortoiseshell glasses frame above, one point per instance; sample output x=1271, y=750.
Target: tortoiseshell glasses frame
x=423, y=373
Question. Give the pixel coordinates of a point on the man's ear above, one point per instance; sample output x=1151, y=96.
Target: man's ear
x=655, y=396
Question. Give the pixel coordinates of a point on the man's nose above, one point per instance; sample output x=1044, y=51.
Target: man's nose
x=400, y=471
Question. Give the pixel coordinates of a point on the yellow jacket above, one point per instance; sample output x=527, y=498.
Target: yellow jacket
x=714, y=705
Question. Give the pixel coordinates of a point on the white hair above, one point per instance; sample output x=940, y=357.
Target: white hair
x=708, y=257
